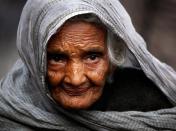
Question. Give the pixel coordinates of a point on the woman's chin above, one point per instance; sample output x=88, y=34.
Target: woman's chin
x=77, y=102
x=75, y=106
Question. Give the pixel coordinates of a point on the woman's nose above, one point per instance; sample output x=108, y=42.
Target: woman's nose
x=75, y=75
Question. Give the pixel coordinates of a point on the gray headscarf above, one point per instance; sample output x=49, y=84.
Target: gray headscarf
x=24, y=99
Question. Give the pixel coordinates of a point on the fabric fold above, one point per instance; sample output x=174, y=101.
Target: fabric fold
x=23, y=91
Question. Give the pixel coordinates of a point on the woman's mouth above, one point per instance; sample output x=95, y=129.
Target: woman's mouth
x=75, y=91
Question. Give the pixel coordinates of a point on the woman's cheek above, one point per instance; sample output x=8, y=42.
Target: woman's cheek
x=55, y=77
x=98, y=75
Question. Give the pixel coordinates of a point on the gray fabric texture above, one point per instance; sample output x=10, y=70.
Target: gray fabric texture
x=24, y=96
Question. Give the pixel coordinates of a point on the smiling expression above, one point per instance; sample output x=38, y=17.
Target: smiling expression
x=77, y=64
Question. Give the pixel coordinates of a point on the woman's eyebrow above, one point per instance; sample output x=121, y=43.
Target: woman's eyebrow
x=94, y=49
x=56, y=52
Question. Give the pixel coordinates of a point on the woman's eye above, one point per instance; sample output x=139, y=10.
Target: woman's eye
x=57, y=58
x=93, y=57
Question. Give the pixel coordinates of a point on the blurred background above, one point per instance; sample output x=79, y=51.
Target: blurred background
x=154, y=20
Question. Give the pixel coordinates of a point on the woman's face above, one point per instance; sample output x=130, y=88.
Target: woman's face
x=78, y=64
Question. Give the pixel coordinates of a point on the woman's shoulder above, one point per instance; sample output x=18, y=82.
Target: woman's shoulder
x=132, y=90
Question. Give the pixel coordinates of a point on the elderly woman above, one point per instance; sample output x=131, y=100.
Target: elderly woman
x=81, y=62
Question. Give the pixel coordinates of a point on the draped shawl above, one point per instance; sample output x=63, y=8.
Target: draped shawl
x=24, y=96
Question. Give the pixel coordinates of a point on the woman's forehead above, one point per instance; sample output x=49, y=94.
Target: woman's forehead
x=78, y=34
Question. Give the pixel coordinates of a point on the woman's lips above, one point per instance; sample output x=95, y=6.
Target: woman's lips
x=75, y=91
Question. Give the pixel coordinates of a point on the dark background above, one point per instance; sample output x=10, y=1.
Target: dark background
x=154, y=20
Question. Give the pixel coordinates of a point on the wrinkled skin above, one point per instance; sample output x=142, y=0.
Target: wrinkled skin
x=77, y=64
